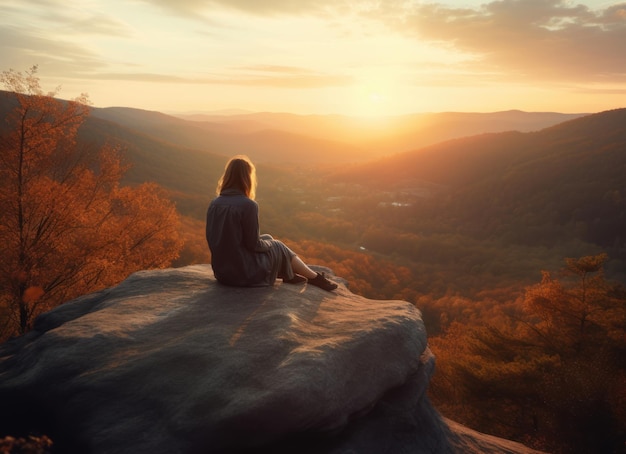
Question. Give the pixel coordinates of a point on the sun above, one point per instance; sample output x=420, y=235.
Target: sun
x=375, y=96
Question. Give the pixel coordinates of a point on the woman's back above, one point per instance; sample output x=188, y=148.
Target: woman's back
x=232, y=232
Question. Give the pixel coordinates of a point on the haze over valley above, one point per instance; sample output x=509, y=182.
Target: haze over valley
x=520, y=192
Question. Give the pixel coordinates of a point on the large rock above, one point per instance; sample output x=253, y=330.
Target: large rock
x=172, y=362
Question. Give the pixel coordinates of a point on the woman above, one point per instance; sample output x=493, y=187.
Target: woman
x=239, y=255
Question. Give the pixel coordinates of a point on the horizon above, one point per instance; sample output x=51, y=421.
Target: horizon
x=358, y=59
x=236, y=112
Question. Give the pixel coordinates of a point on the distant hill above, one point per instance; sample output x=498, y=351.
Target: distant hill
x=380, y=136
x=260, y=144
x=471, y=159
x=316, y=139
x=570, y=175
x=190, y=175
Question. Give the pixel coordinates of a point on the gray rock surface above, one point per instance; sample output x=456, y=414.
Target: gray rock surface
x=170, y=361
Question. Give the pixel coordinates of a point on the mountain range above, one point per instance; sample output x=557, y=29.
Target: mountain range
x=313, y=139
x=531, y=178
x=570, y=174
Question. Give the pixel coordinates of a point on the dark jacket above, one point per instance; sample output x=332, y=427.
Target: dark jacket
x=232, y=231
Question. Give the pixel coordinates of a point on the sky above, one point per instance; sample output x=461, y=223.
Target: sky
x=352, y=57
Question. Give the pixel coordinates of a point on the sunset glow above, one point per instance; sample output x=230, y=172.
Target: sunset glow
x=324, y=56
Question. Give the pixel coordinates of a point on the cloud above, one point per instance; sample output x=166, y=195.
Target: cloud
x=58, y=57
x=302, y=81
x=286, y=77
x=294, y=70
x=524, y=39
x=599, y=91
x=52, y=35
x=62, y=17
x=90, y=24
x=252, y=76
x=518, y=41
x=138, y=77
x=201, y=8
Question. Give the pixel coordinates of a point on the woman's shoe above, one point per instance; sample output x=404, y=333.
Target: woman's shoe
x=321, y=282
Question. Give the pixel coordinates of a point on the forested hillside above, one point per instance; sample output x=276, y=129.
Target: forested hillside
x=564, y=184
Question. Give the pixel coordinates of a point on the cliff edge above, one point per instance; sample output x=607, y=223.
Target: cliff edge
x=170, y=361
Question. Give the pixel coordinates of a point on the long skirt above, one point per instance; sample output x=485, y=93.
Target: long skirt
x=280, y=257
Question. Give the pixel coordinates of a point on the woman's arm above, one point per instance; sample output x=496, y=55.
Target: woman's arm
x=250, y=228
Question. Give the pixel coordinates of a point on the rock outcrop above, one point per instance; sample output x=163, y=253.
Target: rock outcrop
x=170, y=361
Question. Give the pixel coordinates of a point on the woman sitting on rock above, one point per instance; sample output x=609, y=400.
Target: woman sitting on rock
x=239, y=255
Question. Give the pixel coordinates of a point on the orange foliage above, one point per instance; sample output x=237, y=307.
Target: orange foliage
x=579, y=309
x=366, y=275
x=67, y=227
x=547, y=370
x=31, y=444
x=195, y=249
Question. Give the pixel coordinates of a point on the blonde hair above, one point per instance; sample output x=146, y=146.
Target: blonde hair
x=240, y=174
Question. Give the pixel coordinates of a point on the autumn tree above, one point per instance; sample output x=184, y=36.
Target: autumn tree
x=67, y=226
x=579, y=318
x=577, y=310
x=552, y=374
